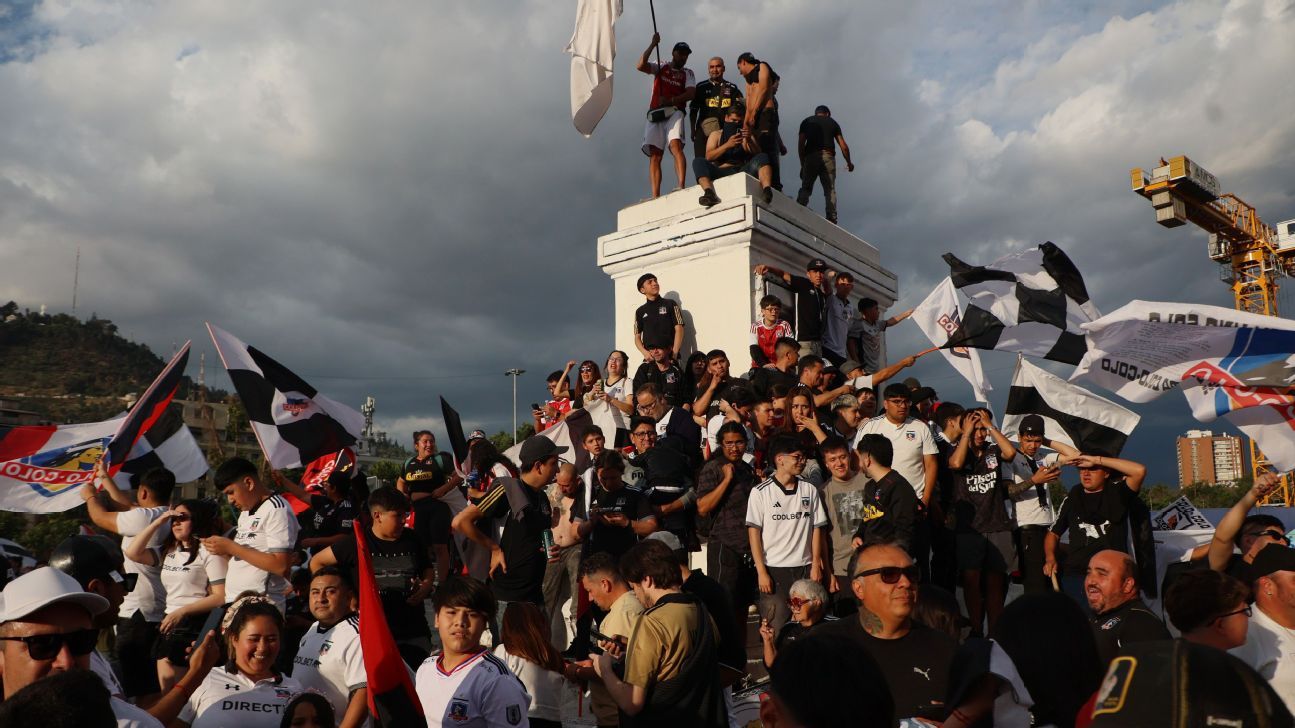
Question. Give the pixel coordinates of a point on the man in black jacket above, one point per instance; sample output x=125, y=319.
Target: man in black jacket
x=891, y=510
x=1119, y=615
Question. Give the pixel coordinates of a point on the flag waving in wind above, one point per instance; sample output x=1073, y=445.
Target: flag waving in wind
x=938, y=317
x=147, y=410
x=1071, y=414
x=294, y=423
x=167, y=444
x=1031, y=303
x=593, y=49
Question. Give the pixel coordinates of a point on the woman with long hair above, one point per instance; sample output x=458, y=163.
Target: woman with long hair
x=526, y=649
x=693, y=371
x=484, y=464
x=194, y=580
x=247, y=691
x=618, y=389
x=589, y=383
x=800, y=415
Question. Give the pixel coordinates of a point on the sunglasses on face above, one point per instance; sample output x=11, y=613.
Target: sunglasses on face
x=47, y=646
x=128, y=581
x=586, y=369
x=891, y=574
x=797, y=602
x=180, y=518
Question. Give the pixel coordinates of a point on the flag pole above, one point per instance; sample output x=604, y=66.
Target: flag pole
x=924, y=352
x=652, y=8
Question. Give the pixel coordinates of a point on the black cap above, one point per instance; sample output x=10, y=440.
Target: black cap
x=921, y=394
x=821, y=109
x=912, y=383
x=681, y=46
x=1179, y=684
x=816, y=264
x=88, y=557
x=1031, y=425
x=1272, y=558
x=537, y=448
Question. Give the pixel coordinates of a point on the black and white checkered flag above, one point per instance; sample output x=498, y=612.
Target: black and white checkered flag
x=167, y=444
x=294, y=423
x=1029, y=303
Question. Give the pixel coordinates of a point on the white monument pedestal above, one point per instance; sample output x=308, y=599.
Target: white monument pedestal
x=704, y=259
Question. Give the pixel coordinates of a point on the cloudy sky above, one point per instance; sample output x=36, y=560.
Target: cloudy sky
x=390, y=198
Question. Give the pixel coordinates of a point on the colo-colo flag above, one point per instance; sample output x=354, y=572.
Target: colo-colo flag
x=294, y=423
x=146, y=412
x=1071, y=414
x=42, y=467
x=1229, y=364
x=1031, y=303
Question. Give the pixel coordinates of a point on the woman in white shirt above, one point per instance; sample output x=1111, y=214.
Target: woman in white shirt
x=530, y=655
x=246, y=692
x=193, y=578
x=618, y=390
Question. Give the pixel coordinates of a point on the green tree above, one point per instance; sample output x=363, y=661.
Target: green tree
x=50, y=530
x=386, y=471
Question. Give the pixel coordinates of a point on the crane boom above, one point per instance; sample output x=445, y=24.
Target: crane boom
x=1251, y=256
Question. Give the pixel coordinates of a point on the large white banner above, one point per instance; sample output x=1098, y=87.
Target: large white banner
x=938, y=317
x=1227, y=363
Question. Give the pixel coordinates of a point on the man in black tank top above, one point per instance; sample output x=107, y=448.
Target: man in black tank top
x=728, y=151
x=761, y=117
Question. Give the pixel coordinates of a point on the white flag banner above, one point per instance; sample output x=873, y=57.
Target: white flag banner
x=1071, y=414
x=44, y=467
x=1181, y=515
x=593, y=50
x=1230, y=363
x=939, y=317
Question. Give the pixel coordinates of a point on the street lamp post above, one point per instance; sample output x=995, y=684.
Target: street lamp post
x=514, y=373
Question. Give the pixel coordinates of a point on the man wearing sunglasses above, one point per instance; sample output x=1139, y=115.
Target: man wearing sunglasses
x=914, y=658
x=47, y=625
x=1241, y=534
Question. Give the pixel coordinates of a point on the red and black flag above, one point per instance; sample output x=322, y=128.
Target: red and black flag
x=392, y=699
x=167, y=444
x=148, y=410
x=294, y=423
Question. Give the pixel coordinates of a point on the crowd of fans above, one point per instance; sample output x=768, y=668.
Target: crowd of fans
x=733, y=131
x=860, y=537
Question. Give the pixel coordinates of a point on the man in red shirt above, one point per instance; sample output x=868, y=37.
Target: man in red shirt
x=673, y=87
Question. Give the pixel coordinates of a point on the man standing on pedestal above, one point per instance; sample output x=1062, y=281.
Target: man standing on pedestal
x=673, y=86
x=819, y=137
x=811, y=302
x=762, y=109
x=838, y=320
x=658, y=323
x=714, y=97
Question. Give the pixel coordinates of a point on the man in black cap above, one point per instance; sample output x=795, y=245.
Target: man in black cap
x=1119, y=615
x=1032, y=471
x=1270, y=640
x=673, y=86
x=520, y=512
x=98, y=566
x=819, y=137
x=810, y=302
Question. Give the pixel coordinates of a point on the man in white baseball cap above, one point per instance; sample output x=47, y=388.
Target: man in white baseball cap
x=47, y=626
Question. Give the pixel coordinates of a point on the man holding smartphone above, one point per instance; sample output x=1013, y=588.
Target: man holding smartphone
x=729, y=150
x=1032, y=471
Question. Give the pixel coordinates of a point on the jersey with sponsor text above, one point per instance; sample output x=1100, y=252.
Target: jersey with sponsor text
x=228, y=698
x=786, y=518
x=270, y=527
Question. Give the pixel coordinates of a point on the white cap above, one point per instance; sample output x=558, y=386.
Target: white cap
x=42, y=587
x=669, y=539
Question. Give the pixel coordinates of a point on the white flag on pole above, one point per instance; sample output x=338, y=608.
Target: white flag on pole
x=593, y=49
x=938, y=317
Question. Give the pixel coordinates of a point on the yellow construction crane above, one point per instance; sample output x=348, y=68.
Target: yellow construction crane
x=1252, y=255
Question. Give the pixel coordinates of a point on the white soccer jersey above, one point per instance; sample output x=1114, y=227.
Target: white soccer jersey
x=331, y=661
x=228, y=699
x=270, y=527
x=480, y=693
x=786, y=519
x=186, y=582
x=148, y=596
x=1031, y=510
x=911, y=440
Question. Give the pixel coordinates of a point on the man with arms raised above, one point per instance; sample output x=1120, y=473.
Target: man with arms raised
x=915, y=659
x=465, y=685
x=330, y=660
x=673, y=86
x=1119, y=614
